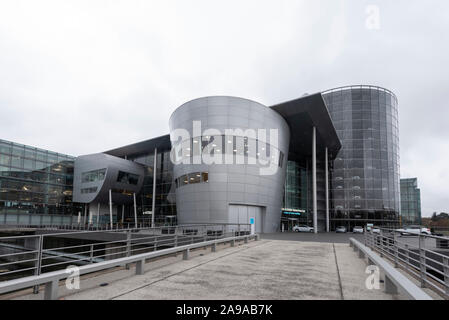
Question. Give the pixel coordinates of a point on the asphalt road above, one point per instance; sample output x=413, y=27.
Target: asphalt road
x=331, y=237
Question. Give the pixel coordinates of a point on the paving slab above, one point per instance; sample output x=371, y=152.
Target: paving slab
x=259, y=270
x=267, y=269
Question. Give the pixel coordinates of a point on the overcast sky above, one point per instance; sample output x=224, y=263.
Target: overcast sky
x=80, y=77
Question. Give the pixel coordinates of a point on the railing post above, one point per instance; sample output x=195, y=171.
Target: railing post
x=38, y=263
x=233, y=243
x=91, y=253
x=176, y=239
x=128, y=243
x=128, y=246
x=422, y=262
x=361, y=254
x=390, y=287
x=396, y=251
x=246, y=239
x=214, y=247
x=140, y=266
x=446, y=274
x=185, y=254
x=51, y=290
x=381, y=244
x=407, y=257
x=155, y=243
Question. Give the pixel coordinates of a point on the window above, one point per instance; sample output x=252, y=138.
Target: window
x=192, y=178
x=4, y=160
x=128, y=178
x=17, y=162
x=5, y=148
x=92, y=176
x=88, y=190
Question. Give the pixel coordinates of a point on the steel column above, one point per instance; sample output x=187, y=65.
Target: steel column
x=90, y=215
x=110, y=208
x=85, y=214
x=154, y=187
x=135, y=210
x=315, y=213
x=326, y=160
x=98, y=214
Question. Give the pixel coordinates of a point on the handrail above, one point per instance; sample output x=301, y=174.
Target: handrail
x=51, y=279
x=393, y=278
x=416, y=259
x=398, y=231
x=100, y=245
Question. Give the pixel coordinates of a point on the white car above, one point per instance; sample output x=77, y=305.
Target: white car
x=375, y=230
x=302, y=228
x=358, y=230
x=414, y=230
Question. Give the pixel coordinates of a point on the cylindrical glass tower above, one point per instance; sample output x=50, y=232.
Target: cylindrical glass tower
x=365, y=185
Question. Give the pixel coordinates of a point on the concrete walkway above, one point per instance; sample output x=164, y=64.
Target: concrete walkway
x=267, y=269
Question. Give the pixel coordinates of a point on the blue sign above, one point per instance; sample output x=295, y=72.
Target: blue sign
x=292, y=213
x=251, y=220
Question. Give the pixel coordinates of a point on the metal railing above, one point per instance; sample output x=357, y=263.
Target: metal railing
x=81, y=226
x=394, y=280
x=361, y=87
x=22, y=256
x=51, y=279
x=416, y=254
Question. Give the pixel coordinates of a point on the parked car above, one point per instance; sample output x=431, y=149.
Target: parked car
x=302, y=228
x=375, y=230
x=341, y=229
x=358, y=229
x=414, y=230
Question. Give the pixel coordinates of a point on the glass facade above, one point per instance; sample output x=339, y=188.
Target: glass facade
x=35, y=186
x=296, y=208
x=365, y=174
x=410, y=202
x=165, y=186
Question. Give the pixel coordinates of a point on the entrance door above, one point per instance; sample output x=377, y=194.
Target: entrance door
x=244, y=214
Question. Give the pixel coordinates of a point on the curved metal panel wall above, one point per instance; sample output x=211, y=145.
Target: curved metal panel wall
x=228, y=184
x=98, y=190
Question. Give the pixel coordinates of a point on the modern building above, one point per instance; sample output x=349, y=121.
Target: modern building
x=35, y=186
x=365, y=173
x=410, y=202
x=324, y=160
